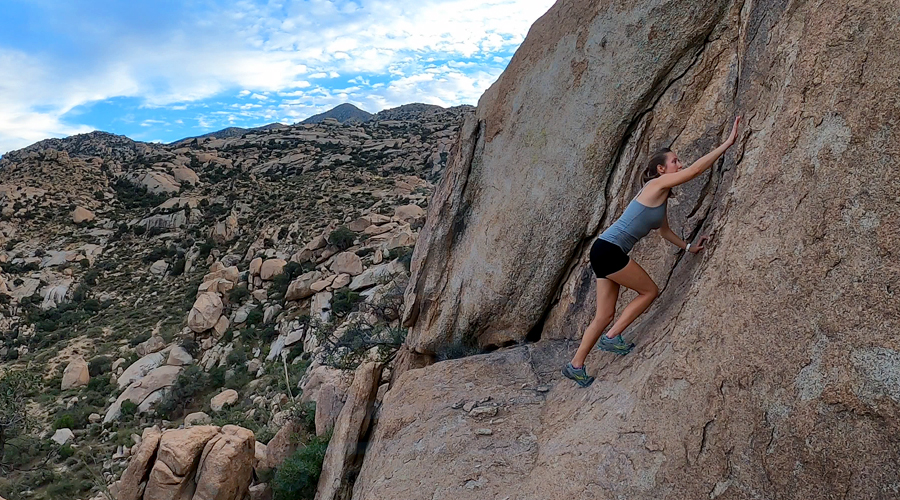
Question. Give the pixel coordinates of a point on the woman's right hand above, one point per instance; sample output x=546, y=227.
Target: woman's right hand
x=734, y=131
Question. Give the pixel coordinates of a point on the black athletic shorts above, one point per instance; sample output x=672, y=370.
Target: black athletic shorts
x=607, y=258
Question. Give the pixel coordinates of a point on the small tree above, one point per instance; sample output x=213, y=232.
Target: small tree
x=342, y=237
x=15, y=389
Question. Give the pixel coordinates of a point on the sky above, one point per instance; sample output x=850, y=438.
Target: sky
x=163, y=70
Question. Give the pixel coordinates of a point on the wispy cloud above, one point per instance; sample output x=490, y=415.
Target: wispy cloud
x=292, y=58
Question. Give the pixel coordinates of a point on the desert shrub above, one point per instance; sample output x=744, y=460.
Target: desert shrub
x=343, y=301
x=141, y=337
x=458, y=348
x=298, y=476
x=178, y=267
x=190, y=382
x=402, y=253
x=238, y=294
x=139, y=230
x=255, y=316
x=128, y=408
x=134, y=196
x=64, y=422
x=237, y=357
x=290, y=271
x=342, y=237
x=352, y=346
x=205, y=248
x=99, y=365
x=66, y=451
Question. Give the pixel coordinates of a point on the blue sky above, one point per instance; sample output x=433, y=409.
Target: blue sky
x=164, y=70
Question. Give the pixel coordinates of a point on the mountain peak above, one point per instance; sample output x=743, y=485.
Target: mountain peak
x=343, y=113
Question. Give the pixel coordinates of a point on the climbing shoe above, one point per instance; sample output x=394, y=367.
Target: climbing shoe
x=616, y=345
x=579, y=375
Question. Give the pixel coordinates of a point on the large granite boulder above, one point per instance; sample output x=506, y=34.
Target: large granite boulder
x=226, y=465
x=769, y=360
x=144, y=391
x=173, y=473
x=342, y=458
x=134, y=479
x=76, y=374
x=206, y=312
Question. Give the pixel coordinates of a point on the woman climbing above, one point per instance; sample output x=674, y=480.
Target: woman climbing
x=613, y=267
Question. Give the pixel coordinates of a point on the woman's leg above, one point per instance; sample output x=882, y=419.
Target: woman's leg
x=607, y=294
x=634, y=277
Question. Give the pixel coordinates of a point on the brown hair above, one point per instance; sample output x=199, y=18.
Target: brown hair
x=658, y=158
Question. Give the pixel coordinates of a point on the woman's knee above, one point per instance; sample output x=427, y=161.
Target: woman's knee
x=652, y=293
x=604, y=317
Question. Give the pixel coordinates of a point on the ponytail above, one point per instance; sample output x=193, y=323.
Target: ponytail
x=658, y=158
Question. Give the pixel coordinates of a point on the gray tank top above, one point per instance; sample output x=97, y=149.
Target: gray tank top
x=634, y=224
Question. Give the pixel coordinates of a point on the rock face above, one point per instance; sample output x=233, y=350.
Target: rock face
x=705, y=407
x=226, y=466
x=341, y=458
x=76, y=374
x=134, y=479
x=172, y=475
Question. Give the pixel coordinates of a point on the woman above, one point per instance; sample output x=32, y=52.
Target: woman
x=613, y=267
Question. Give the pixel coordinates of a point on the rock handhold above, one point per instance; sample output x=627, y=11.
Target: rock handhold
x=62, y=436
x=184, y=174
x=196, y=418
x=409, y=214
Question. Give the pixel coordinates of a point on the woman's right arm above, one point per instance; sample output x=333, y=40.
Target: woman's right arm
x=699, y=166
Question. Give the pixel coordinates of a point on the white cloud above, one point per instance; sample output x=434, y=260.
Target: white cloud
x=441, y=51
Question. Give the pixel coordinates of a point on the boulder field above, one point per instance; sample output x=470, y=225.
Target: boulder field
x=767, y=368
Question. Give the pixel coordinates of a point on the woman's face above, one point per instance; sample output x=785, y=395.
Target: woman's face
x=672, y=165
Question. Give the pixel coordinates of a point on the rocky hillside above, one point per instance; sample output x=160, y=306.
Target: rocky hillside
x=213, y=288
x=767, y=368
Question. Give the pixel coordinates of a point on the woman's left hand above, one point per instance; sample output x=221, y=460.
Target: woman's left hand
x=699, y=246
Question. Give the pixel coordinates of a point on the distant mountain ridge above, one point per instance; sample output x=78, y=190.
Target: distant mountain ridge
x=229, y=132
x=343, y=113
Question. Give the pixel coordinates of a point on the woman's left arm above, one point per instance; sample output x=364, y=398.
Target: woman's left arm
x=666, y=232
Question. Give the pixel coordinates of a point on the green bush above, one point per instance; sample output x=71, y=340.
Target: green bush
x=178, y=267
x=298, y=475
x=342, y=237
x=139, y=230
x=128, y=408
x=190, y=382
x=255, y=316
x=64, y=422
x=238, y=294
x=66, y=451
x=99, y=365
x=343, y=301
